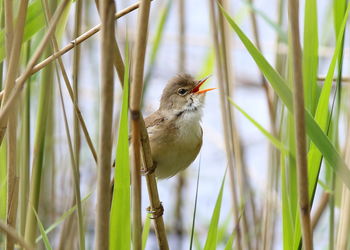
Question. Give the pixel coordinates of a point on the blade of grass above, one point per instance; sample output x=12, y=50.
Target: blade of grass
x=275, y=141
x=211, y=241
x=195, y=205
x=62, y=218
x=282, y=90
x=120, y=228
x=42, y=232
x=145, y=232
x=322, y=119
x=310, y=55
x=280, y=32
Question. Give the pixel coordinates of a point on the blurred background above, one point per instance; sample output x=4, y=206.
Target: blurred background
x=181, y=38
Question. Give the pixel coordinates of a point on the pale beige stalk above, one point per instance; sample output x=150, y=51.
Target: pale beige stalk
x=8, y=105
x=299, y=117
x=135, y=106
x=227, y=122
x=13, y=47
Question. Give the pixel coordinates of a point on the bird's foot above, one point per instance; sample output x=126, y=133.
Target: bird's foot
x=147, y=171
x=156, y=212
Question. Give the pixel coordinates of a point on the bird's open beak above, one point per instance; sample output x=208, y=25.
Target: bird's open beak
x=200, y=83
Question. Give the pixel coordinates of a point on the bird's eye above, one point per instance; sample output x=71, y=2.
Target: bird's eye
x=181, y=91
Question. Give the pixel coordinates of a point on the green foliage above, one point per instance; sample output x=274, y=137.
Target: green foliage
x=282, y=90
x=120, y=227
x=211, y=242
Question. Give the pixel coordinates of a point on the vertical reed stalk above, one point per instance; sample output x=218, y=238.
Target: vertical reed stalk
x=25, y=163
x=106, y=119
x=226, y=116
x=118, y=60
x=299, y=116
x=38, y=154
x=14, y=95
x=13, y=56
x=153, y=190
x=181, y=181
x=76, y=71
x=135, y=105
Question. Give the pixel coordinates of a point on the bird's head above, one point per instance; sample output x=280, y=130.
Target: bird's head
x=182, y=94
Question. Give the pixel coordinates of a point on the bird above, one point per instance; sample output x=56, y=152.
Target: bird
x=174, y=129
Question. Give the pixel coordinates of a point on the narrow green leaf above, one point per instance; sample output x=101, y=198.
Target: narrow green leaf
x=321, y=118
x=310, y=54
x=287, y=221
x=230, y=241
x=63, y=217
x=279, y=145
x=120, y=228
x=280, y=32
x=145, y=232
x=42, y=232
x=282, y=90
x=3, y=181
x=35, y=21
x=211, y=242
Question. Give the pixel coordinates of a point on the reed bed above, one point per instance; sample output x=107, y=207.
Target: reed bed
x=77, y=79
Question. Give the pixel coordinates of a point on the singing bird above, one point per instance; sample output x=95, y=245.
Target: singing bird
x=174, y=130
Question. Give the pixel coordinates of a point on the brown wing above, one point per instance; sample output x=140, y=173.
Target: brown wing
x=154, y=119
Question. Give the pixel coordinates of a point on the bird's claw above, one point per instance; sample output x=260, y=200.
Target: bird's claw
x=157, y=212
x=147, y=171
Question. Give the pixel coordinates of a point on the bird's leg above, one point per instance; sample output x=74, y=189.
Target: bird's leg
x=155, y=212
x=147, y=171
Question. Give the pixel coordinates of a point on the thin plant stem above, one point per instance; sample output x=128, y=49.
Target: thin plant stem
x=14, y=50
x=107, y=9
x=299, y=116
x=135, y=106
x=319, y=210
x=155, y=204
x=181, y=179
x=15, y=237
x=20, y=82
x=227, y=130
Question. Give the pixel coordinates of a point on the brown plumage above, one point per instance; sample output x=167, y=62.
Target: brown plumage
x=174, y=129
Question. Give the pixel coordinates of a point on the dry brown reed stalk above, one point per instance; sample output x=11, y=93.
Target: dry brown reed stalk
x=15, y=237
x=227, y=130
x=78, y=40
x=244, y=188
x=14, y=50
x=81, y=39
x=107, y=9
x=74, y=161
x=75, y=74
x=118, y=60
x=181, y=179
x=14, y=95
x=321, y=207
x=135, y=106
x=155, y=205
x=299, y=116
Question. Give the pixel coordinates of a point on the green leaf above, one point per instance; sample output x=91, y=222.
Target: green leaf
x=42, y=232
x=35, y=21
x=211, y=241
x=62, y=218
x=279, y=145
x=280, y=32
x=310, y=54
x=120, y=223
x=321, y=118
x=282, y=90
x=3, y=181
x=145, y=232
